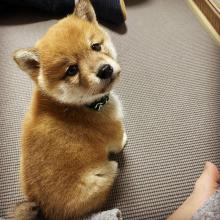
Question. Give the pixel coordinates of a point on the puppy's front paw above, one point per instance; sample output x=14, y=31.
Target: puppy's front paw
x=122, y=144
x=124, y=140
x=117, y=146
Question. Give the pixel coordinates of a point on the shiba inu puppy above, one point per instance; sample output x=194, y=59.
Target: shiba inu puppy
x=74, y=119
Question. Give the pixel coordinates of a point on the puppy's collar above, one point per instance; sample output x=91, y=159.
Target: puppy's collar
x=99, y=103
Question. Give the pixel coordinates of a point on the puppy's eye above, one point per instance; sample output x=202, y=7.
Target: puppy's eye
x=72, y=70
x=96, y=47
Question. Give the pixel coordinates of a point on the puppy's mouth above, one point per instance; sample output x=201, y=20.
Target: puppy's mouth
x=108, y=84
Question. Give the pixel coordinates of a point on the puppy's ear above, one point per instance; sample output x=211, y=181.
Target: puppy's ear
x=28, y=60
x=84, y=10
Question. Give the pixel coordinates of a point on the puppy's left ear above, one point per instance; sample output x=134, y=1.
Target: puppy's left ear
x=28, y=60
x=84, y=10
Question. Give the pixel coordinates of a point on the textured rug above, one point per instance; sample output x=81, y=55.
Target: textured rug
x=170, y=90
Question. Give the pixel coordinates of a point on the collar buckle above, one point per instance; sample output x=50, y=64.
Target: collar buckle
x=98, y=104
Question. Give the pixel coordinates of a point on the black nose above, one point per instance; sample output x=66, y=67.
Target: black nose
x=105, y=71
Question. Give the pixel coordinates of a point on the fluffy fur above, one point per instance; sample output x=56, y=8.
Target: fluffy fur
x=65, y=145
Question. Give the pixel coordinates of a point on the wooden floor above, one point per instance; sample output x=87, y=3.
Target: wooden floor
x=208, y=11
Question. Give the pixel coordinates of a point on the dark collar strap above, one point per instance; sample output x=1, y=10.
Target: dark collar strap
x=98, y=104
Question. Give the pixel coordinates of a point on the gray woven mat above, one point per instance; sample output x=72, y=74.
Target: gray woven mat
x=171, y=95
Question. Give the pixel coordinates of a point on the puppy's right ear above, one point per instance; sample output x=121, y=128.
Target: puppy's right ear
x=28, y=60
x=85, y=11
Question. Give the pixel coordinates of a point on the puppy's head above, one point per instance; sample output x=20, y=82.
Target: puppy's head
x=75, y=62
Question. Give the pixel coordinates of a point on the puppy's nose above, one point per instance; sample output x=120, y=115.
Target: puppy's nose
x=105, y=71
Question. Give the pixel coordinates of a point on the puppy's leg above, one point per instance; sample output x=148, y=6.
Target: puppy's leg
x=92, y=193
x=27, y=211
x=99, y=182
x=118, y=137
x=124, y=139
x=108, y=170
x=101, y=177
x=118, y=144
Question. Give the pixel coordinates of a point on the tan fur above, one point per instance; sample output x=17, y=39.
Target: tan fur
x=27, y=211
x=65, y=145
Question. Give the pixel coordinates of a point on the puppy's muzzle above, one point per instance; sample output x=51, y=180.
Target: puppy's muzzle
x=105, y=71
